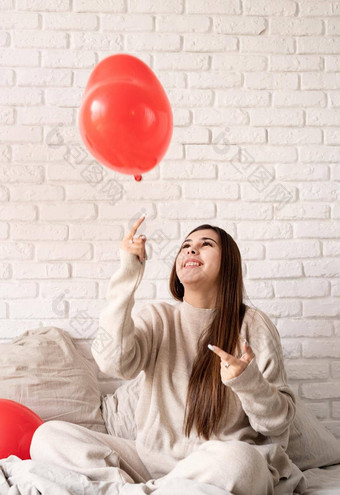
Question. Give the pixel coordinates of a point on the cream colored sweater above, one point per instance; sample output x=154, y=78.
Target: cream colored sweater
x=161, y=340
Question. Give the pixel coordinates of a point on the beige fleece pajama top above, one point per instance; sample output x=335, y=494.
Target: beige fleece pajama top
x=161, y=340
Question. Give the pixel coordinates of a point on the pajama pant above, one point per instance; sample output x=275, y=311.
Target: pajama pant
x=234, y=466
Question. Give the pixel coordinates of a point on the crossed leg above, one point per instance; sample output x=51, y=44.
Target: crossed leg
x=234, y=466
x=99, y=456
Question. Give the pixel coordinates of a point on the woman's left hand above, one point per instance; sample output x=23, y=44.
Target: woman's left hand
x=236, y=366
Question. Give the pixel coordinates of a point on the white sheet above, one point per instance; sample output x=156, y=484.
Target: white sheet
x=18, y=477
x=323, y=481
x=28, y=477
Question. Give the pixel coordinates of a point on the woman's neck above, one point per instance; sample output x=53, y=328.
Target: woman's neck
x=206, y=301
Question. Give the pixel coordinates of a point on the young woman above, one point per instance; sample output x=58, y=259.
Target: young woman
x=215, y=405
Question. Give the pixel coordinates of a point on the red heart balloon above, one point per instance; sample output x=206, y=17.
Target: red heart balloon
x=125, y=118
x=17, y=426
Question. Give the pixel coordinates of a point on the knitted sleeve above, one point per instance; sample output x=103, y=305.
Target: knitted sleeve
x=262, y=387
x=123, y=345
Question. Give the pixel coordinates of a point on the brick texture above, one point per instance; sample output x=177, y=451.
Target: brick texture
x=255, y=149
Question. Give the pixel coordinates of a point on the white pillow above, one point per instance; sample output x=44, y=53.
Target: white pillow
x=43, y=370
x=118, y=408
x=310, y=443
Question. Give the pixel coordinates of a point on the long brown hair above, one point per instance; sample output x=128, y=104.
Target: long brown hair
x=207, y=396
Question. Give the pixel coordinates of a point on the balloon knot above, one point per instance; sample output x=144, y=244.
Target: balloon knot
x=138, y=178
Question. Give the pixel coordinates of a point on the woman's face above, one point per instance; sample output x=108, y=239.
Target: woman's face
x=204, y=246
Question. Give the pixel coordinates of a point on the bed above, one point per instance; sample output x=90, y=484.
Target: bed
x=323, y=481
x=55, y=375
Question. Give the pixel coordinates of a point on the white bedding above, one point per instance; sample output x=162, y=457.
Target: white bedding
x=323, y=481
x=28, y=477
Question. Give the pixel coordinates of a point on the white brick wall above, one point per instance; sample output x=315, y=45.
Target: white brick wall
x=255, y=149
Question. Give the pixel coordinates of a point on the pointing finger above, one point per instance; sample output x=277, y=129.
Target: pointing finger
x=136, y=226
x=220, y=352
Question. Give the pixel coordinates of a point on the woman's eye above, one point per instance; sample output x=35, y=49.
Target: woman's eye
x=205, y=242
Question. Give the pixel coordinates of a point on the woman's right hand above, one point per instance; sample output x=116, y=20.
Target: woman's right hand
x=138, y=245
